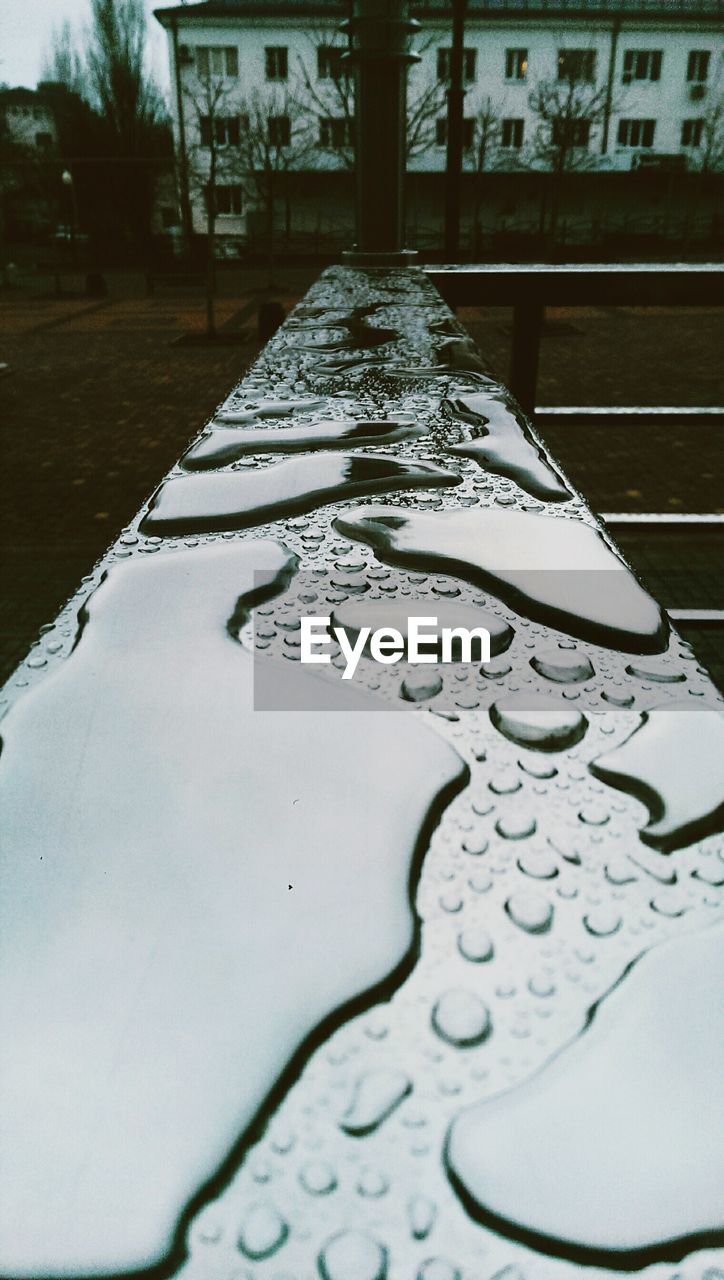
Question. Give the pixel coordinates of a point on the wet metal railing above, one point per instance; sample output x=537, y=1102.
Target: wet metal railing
x=530, y=288
x=413, y=974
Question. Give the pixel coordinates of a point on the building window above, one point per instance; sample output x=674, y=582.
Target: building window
x=329, y=62
x=641, y=64
x=468, y=132
x=225, y=131
x=516, y=64
x=217, y=60
x=335, y=132
x=280, y=132
x=697, y=67
x=228, y=199
x=571, y=133
x=577, y=64
x=44, y=141
x=470, y=59
x=511, y=133
x=691, y=131
x=276, y=62
x=636, y=133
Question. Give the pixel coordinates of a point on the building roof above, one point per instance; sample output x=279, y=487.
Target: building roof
x=671, y=9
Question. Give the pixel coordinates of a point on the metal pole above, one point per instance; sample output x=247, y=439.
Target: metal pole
x=455, y=108
x=527, y=326
x=380, y=31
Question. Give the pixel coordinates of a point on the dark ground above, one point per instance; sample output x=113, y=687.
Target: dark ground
x=100, y=402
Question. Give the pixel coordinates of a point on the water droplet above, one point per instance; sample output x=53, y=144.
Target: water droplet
x=641, y=1079
x=594, y=815
x=461, y=1018
x=420, y=685
x=530, y=910
x=376, y=1095
x=353, y=1255
x=571, y=596
x=438, y=1269
x=671, y=762
x=262, y=1232
x=501, y=441
x=475, y=945
x=602, y=922
x=371, y=1184
x=318, y=1178
x=538, y=863
x=421, y=1212
x=239, y=499
x=222, y=446
x=516, y=826
x=563, y=666
x=505, y=783
x=538, y=722
x=662, y=671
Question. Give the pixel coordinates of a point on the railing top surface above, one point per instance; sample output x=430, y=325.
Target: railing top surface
x=698, y=283
x=577, y=268
x=279, y=972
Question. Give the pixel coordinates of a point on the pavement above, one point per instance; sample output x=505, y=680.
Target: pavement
x=101, y=399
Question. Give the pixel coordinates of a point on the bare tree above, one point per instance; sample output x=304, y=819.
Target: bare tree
x=276, y=138
x=109, y=75
x=484, y=155
x=332, y=97
x=567, y=111
x=214, y=156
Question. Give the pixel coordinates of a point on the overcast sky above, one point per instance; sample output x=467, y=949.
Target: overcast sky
x=26, y=28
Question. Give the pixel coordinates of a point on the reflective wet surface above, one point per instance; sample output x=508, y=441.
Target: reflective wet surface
x=422, y=993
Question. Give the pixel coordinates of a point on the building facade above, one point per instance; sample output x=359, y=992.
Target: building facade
x=600, y=88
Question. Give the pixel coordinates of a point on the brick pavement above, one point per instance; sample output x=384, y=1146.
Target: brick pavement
x=100, y=403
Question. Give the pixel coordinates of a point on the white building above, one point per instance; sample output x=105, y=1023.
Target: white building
x=647, y=77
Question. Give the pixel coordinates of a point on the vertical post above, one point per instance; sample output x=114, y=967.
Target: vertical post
x=455, y=107
x=380, y=32
x=527, y=326
x=183, y=165
x=608, y=105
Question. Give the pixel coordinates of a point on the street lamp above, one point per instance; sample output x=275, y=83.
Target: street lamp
x=67, y=179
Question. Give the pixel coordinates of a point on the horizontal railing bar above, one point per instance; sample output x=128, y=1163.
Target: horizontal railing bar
x=629, y=284
x=629, y=411
x=698, y=617
x=660, y=519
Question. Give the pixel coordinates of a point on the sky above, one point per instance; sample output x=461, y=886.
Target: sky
x=26, y=29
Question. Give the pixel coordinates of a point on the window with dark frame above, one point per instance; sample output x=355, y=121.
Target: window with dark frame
x=276, y=62
x=641, y=64
x=217, y=60
x=511, y=132
x=228, y=199
x=335, y=132
x=571, y=133
x=697, y=66
x=516, y=64
x=280, y=131
x=577, y=65
x=329, y=62
x=225, y=131
x=636, y=133
x=470, y=62
x=691, y=132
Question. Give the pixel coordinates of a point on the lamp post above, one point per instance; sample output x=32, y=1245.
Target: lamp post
x=379, y=36
x=67, y=180
x=455, y=108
